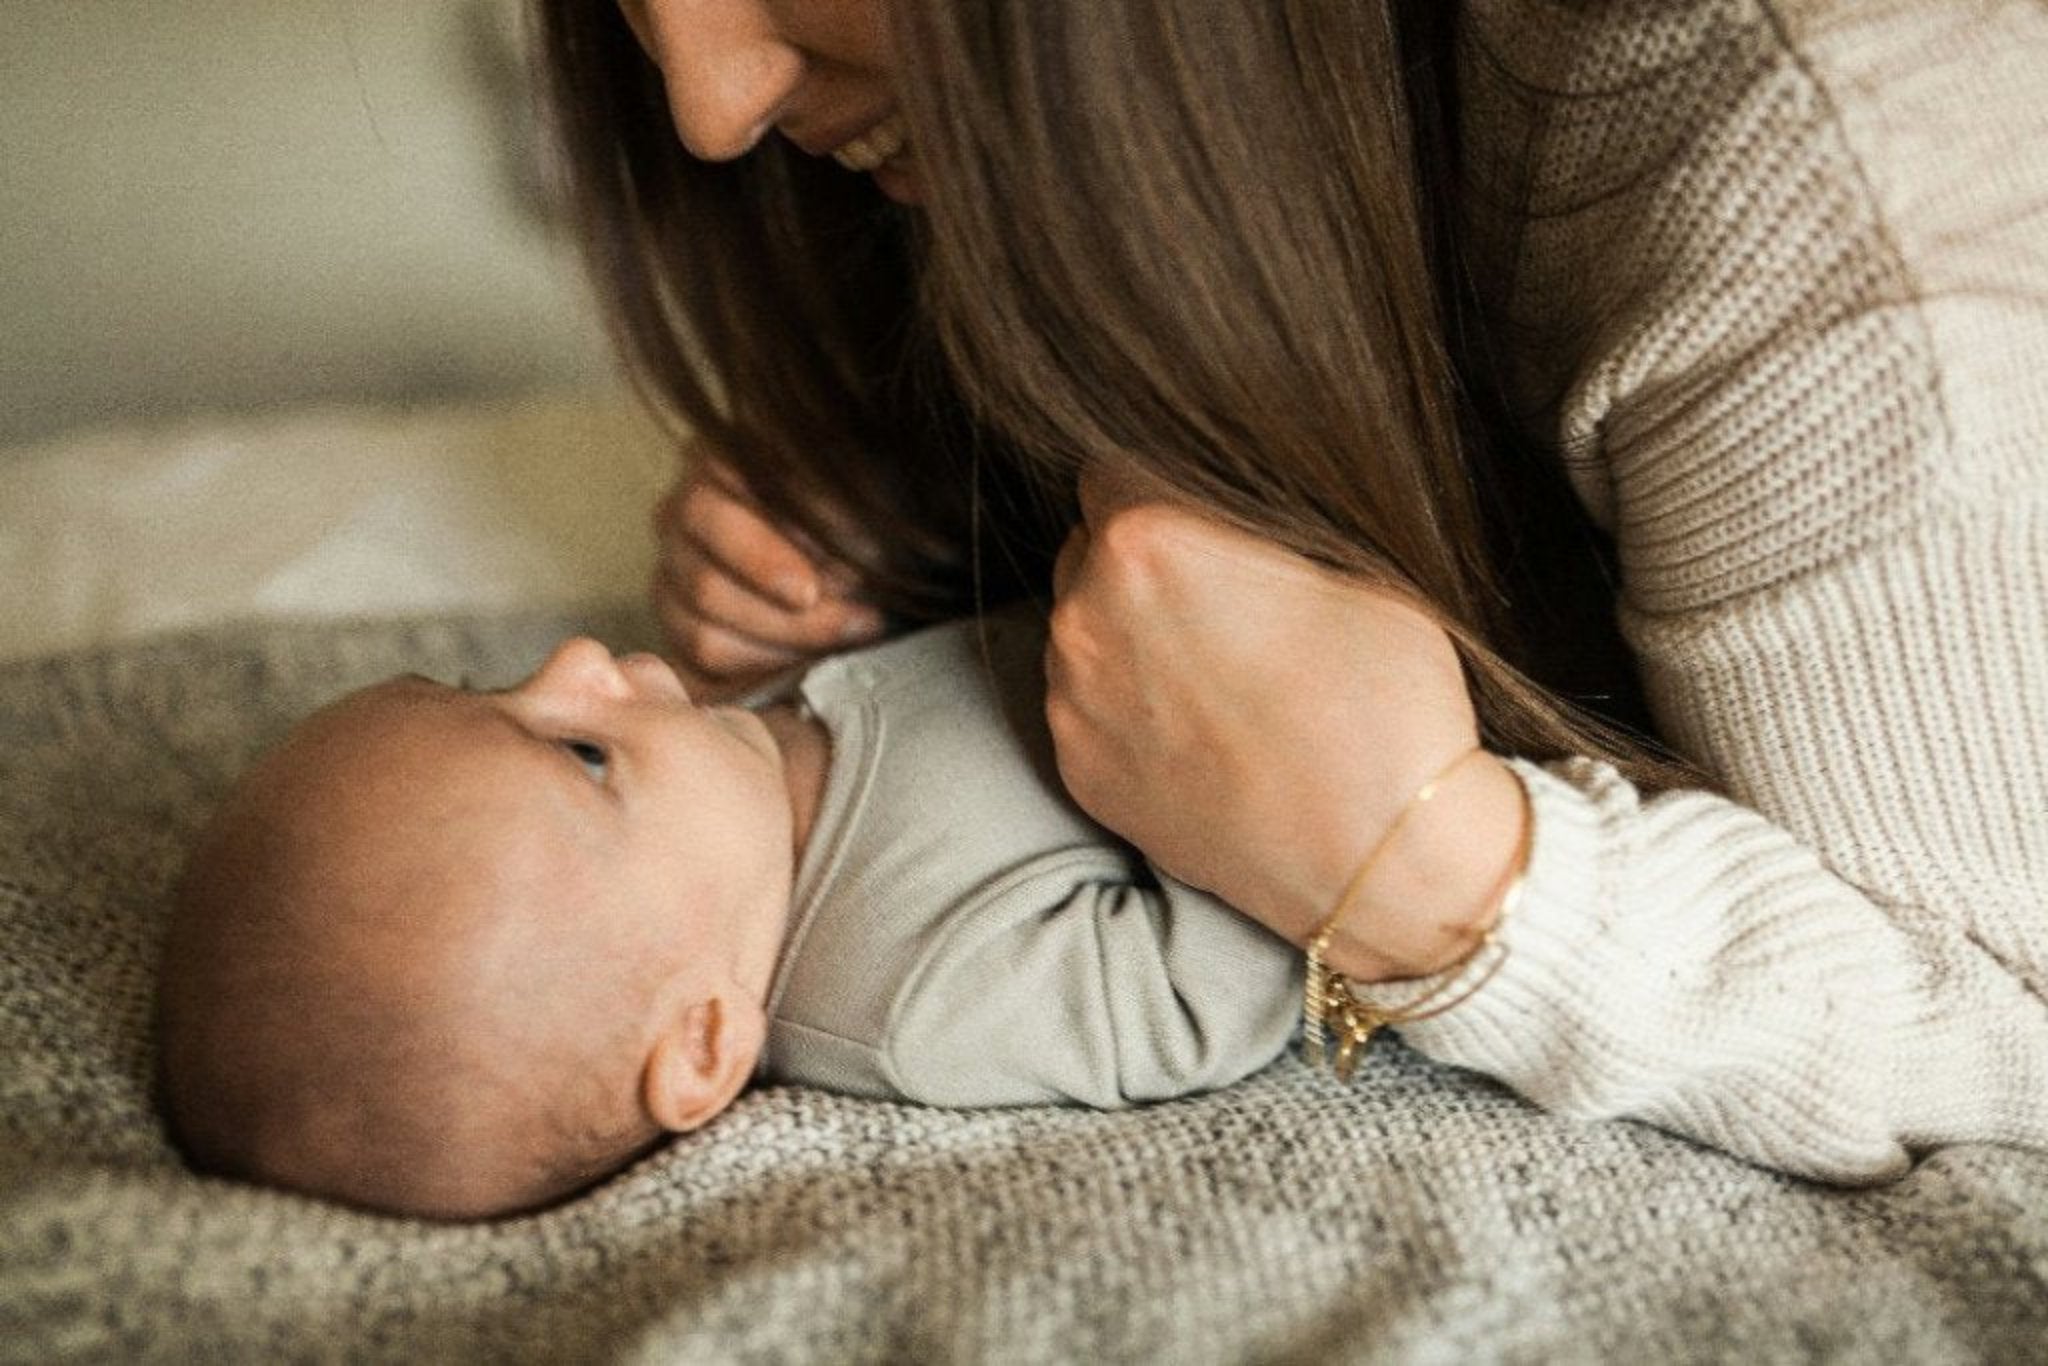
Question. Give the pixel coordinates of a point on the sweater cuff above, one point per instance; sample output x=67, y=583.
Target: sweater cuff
x=1550, y=947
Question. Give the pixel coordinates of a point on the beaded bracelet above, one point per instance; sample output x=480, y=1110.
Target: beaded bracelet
x=1329, y=999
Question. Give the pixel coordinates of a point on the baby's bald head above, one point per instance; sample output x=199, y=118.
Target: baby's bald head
x=364, y=995
x=458, y=954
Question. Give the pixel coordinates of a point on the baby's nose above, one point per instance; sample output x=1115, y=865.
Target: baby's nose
x=580, y=665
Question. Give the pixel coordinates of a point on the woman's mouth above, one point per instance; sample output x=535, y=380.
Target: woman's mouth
x=875, y=147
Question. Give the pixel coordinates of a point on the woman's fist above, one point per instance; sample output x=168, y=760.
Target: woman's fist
x=1254, y=722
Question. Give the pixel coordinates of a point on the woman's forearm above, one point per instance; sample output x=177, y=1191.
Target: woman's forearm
x=1851, y=962
x=1683, y=962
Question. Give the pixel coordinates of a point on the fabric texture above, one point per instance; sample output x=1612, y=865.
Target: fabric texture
x=961, y=934
x=1804, y=394
x=1418, y=1215
x=1775, y=279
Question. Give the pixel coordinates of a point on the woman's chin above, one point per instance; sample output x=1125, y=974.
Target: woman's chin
x=898, y=179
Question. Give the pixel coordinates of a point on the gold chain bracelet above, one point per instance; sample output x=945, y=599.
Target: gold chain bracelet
x=1330, y=1004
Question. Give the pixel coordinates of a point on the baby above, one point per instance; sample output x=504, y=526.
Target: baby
x=458, y=954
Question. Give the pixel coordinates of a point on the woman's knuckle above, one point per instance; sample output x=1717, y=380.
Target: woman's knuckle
x=701, y=582
x=742, y=611
x=1067, y=720
x=1132, y=532
x=1075, y=775
x=1069, y=644
x=706, y=509
x=1062, y=624
x=818, y=631
x=709, y=647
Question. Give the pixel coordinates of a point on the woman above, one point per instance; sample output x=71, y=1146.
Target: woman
x=1329, y=297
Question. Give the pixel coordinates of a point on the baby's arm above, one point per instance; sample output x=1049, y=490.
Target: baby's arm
x=1077, y=979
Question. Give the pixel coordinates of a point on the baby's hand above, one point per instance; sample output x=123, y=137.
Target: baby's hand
x=738, y=597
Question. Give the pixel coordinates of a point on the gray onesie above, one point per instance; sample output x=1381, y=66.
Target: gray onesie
x=963, y=935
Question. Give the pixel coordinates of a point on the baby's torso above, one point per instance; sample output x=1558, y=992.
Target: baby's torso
x=940, y=781
x=946, y=868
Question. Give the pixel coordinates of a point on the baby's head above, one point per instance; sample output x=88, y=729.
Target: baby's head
x=458, y=954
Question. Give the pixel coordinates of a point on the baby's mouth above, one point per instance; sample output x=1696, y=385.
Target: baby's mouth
x=875, y=147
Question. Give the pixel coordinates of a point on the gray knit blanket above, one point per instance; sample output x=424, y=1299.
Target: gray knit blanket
x=1417, y=1214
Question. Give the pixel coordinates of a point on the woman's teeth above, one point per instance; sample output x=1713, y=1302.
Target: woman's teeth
x=875, y=146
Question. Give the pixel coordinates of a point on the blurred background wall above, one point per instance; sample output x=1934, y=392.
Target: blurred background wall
x=224, y=206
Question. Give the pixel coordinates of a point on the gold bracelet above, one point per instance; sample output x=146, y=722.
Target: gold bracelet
x=1315, y=998
x=1330, y=1000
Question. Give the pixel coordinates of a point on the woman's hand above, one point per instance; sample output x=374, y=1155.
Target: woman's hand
x=1254, y=723
x=738, y=598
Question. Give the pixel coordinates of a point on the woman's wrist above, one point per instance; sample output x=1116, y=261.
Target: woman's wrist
x=1433, y=889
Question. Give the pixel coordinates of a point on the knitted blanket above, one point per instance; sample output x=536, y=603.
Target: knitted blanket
x=1415, y=1214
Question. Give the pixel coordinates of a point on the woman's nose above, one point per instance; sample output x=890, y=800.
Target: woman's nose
x=578, y=668
x=727, y=70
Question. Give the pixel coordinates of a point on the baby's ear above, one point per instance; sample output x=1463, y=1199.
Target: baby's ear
x=701, y=1060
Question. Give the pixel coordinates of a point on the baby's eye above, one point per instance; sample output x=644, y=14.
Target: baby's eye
x=592, y=757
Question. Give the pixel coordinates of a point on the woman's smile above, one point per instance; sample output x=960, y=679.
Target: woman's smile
x=874, y=147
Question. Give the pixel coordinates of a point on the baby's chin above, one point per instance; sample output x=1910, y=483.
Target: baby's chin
x=748, y=727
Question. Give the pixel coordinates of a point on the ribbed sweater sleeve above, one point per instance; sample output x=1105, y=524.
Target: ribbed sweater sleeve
x=1778, y=275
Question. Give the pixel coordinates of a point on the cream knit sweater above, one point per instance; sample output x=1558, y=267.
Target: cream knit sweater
x=1777, y=272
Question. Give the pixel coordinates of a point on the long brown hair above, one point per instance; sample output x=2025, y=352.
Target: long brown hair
x=770, y=305
x=1211, y=242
